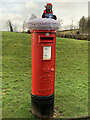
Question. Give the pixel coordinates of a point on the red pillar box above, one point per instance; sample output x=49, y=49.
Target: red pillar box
x=43, y=45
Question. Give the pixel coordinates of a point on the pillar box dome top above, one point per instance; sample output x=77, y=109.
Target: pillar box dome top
x=42, y=24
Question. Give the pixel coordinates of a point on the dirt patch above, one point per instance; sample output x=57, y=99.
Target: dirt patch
x=55, y=111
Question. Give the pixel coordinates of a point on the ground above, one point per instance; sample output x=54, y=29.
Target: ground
x=71, y=76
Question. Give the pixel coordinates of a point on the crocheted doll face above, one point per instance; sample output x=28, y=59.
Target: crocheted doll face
x=49, y=7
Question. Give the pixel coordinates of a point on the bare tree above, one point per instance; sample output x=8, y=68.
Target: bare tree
x=82, y=23
x=61, y=22
x=33, y=16
x=15, y=28
x=10, y=25
x=71, y=26
x=23, y=26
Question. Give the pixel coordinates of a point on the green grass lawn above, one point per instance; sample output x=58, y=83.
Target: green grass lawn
x=71, y=78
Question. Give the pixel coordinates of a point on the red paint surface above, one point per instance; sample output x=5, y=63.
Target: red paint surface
x=43, y=71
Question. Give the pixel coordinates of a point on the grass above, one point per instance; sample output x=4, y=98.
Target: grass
x=73, y=31
x=71, y=77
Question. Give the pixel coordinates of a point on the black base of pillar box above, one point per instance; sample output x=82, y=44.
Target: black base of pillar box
x=42, y=106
